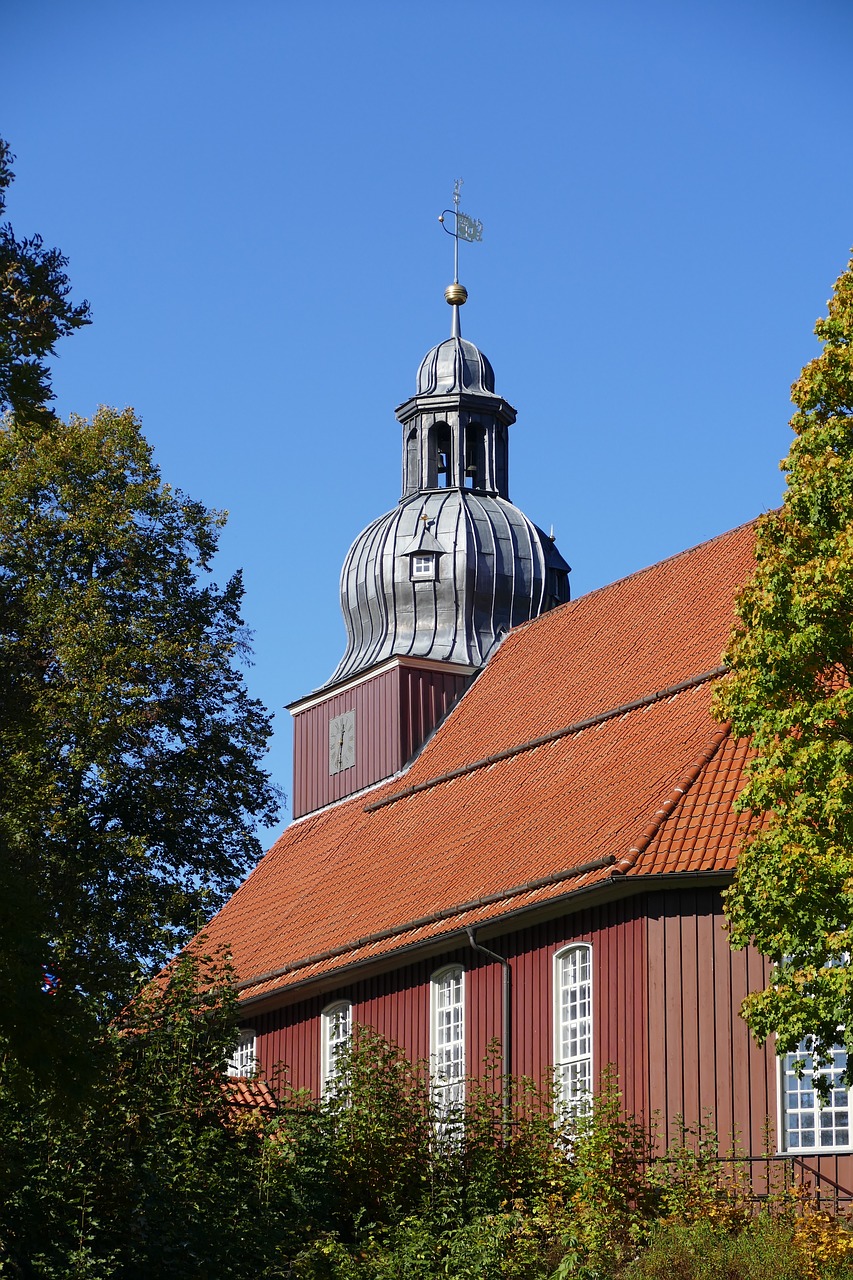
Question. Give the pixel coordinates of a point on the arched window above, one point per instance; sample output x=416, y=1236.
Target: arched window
x=243, y=1061
x=440, y=460
x=447, y=992
x=336, y=1030
x=573, y=1026
x=413, y=472
x=475, y=456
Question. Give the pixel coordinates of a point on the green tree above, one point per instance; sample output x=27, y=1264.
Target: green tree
x=157, y=1173
x=791, y=666
x=130, y=751
x=35, y=311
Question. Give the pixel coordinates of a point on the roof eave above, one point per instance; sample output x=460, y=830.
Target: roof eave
x=613, y=889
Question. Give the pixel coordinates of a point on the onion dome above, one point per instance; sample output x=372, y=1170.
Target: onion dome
x=455, y=565
x=443, y=576
x=455, y=365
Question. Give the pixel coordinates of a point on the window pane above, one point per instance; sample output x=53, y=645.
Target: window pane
x=574, y=1027
x=243, y=1061
x=337, y=1028
x=423, y=566
x=448, y=1056
x=807, y=1125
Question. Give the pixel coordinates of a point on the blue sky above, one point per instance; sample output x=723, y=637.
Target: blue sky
x=248, y=198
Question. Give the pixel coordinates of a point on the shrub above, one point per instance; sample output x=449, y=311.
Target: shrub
x=764, y=1249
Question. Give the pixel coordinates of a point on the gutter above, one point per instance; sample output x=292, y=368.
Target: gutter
x=614, y=887
x=383, y=935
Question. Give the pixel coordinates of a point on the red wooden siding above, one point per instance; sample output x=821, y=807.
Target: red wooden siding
x=398, y=1004
x=666, y=994
x=395, y=1004
x=703, y=1063
x=617, y=934
x=425, y=699
x=395, y=711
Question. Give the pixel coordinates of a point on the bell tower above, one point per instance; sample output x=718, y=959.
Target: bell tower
x=429, y=588
x=455, y=427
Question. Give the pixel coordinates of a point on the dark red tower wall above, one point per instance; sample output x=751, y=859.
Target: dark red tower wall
x=395, y=709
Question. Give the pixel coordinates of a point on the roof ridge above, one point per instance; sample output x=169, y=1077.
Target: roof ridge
x=608, y=586
x=577, y=727
x=636, y=851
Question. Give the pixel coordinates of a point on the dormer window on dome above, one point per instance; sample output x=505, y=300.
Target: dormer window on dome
x=424, y=566
x=423, y=552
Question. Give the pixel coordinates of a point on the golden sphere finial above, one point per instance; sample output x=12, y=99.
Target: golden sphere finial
x=456, y=294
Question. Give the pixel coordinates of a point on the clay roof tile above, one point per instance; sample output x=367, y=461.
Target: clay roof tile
x=585, y=748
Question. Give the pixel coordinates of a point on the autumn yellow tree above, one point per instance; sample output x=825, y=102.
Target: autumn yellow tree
x=791, y=688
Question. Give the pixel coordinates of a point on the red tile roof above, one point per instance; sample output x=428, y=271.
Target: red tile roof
x=248, y=1093
x=646, y=788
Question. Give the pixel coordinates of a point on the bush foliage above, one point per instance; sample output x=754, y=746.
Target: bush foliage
x=158, y=1173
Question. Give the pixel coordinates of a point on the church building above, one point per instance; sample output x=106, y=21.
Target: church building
x=513, y=812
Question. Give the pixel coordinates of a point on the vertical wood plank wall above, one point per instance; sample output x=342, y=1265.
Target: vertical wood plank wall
x=425, y=698
x=702, y=1063
x=398, y=1004
x=395, y=711
x=666, y=993
x=377, y=742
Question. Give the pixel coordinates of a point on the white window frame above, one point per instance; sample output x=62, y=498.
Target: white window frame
x=244, y=1061
x=809, y=1106
x=423, y=566
x=335, y=1035
x=573, y=1031
x=448, y=1086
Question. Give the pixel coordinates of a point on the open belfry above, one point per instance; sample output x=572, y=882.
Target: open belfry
x=513, y=812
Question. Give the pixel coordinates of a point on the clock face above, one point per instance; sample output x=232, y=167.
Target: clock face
x=342, y=742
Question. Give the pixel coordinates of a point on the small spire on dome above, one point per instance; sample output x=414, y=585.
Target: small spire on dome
x=464, y=228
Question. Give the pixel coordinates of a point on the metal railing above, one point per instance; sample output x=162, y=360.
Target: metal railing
x=784, y=1172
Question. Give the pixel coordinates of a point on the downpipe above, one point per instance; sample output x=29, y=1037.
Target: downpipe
x=506, y=1028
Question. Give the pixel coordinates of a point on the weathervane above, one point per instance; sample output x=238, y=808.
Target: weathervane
x=464, y=228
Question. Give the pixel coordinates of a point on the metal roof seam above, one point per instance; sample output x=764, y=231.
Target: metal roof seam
x=591, y=722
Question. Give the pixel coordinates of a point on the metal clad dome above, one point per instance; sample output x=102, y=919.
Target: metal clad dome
x=455, y=366
x=492, y=575
x=455, y=565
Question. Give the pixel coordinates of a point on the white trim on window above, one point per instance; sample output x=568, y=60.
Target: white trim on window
x=335, y=1034
x=447, y=1039
x=423, y=565
x=243, y=1060
x=573, y=1027
x=806, y=1126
